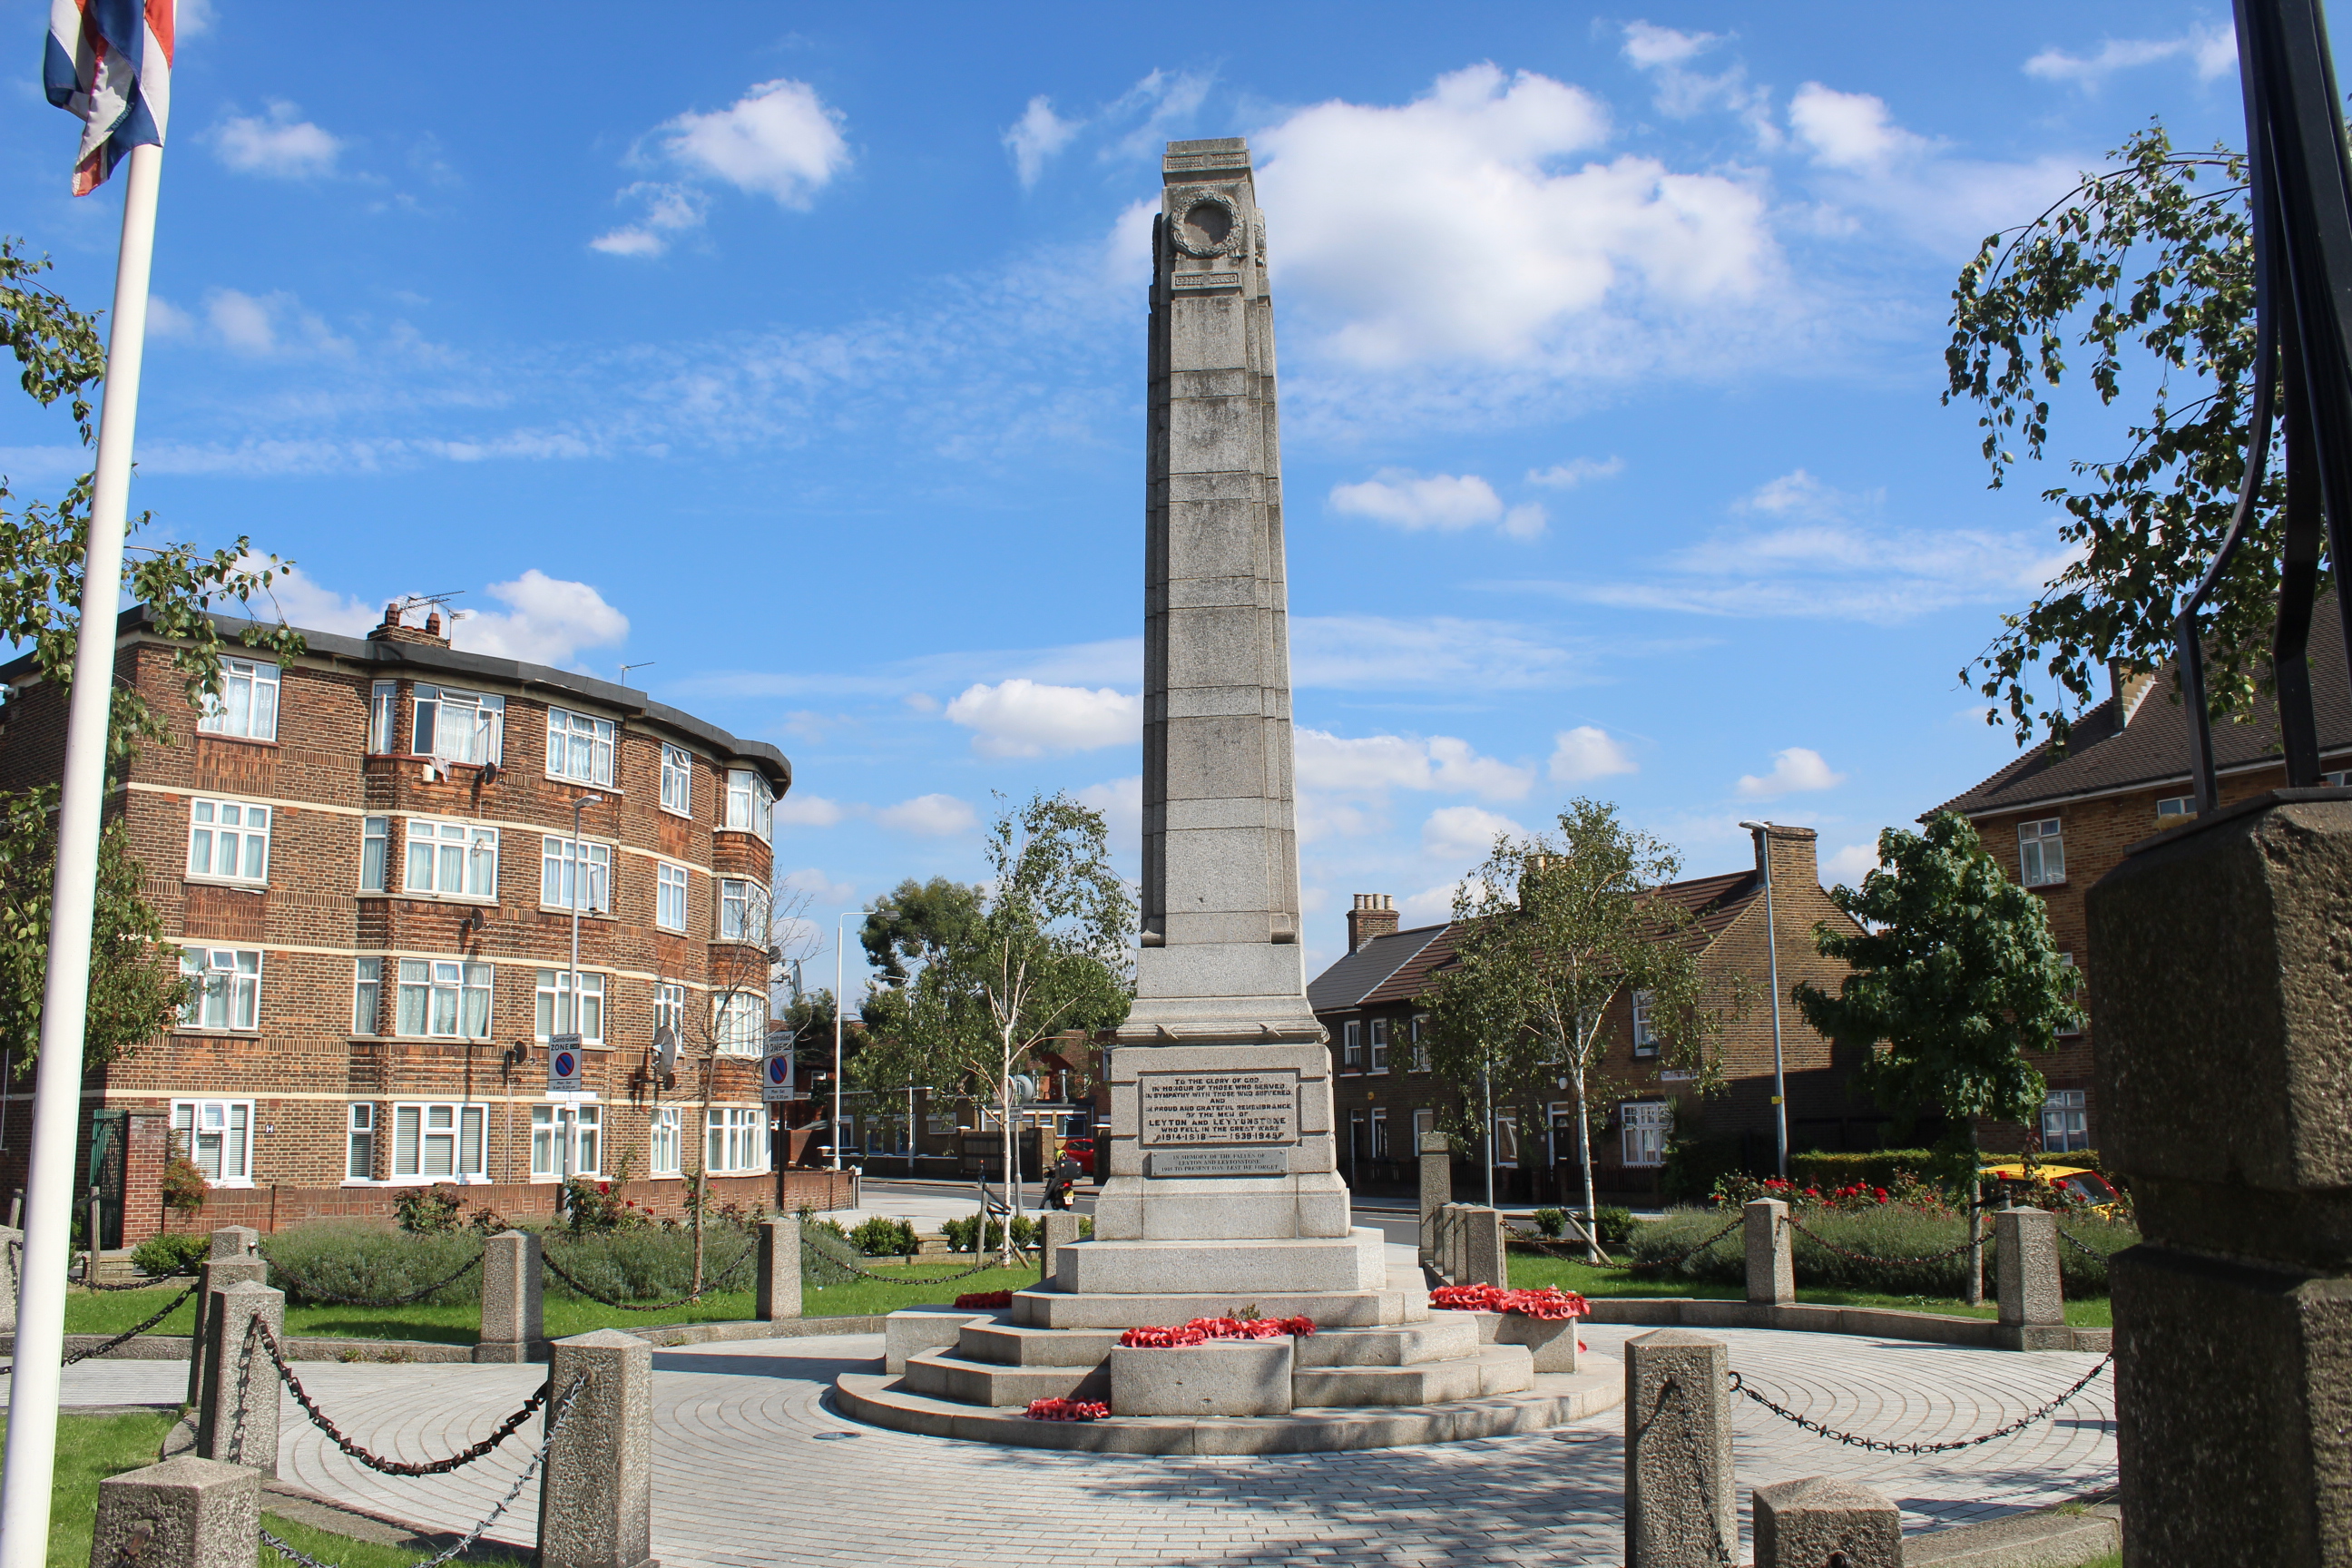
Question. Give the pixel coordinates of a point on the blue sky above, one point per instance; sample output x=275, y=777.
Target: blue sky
x=798, y=355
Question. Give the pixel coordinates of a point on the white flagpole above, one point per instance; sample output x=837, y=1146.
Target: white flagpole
x=57, y=1096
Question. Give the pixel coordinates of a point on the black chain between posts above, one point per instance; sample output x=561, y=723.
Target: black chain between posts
x=376, y=1462
x=463, y=1543
x=2079, y=1244
x=709, y=1285
x=1665, y=1264
x=1823, y=1241
x=1551, y=1248
x=124, y=1338
x=310, y=1294
x=1879, y=1446
x=981, y=1267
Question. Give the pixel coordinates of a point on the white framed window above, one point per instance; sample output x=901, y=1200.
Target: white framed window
x=743, y=911
x=226, y=993
x=553, y=1126
x=552, y=1009
x=2040, y=853
x=735, y=1138
x=661, y=1147
x=217, y=1135
x=669, y=898
x=451, y=859
x=367, y=995
x=739, y=1024
x=1379, y=1133
x=1378, y=1031
x=375, y=852
x=1507, y=1138
x=1646, y=1125
x=1645, y=1032
x=437, y=1142
x=558, y=880
x=2065, y=1121
x=669, y=1009
x=359, y=1142
x=1420, y=1047
x=578, y=747
x=2074, y=984
x=1424, y=1123
x=677, y=779
x=228, y=841
x=751, y=804
x=247, y=703
x=2176, y=808
x=459, y=726
x=1351, y=1046
x=383, y=696
x=443, y=998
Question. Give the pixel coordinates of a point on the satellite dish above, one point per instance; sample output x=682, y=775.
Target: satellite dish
x=666, y=1050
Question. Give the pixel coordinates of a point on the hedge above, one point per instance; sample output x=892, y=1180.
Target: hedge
x=1873, y=1168
x=1892, y=1235
x=313, y=1262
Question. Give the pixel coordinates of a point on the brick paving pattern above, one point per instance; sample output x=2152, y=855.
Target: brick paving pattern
x=753, y=1469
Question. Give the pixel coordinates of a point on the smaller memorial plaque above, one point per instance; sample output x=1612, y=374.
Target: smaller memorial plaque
x=1217, y=1162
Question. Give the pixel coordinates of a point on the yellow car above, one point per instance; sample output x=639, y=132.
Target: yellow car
x=2097, y=1193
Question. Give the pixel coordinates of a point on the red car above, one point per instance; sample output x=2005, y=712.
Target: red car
x=1082, y=1149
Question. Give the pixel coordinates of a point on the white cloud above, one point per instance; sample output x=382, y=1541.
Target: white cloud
x=1648, y=46
x=1509, y=261
x=822, y=891
x=1851, y=131
x=1865, y=160
x=311, y=606
x=1374, y=764
x=279, y=144
x=1587, y=752
x=801, y=810
x=1850, y=865
x=1569, y=475
x=1121, y=804
x=1448, y=502
x=1022, y=718
x=1432, y=905
x=1165, y=99
x=780, y=139
x=1464, y=832
x=190, y=17
x=1794, y=770
x=1036, y=136
x=1345, y=653
x=1666, y=54
x=930, y=815
x=258, y=325
x=2214, y=50
x=547, y=621
x=670, y=209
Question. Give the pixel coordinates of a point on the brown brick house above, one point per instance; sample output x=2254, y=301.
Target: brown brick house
x=1384, y=1096
x=2059, y=818
x=366, y=859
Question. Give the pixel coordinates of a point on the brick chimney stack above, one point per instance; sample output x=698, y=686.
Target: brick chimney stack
x=1375, y=915
x=391, y=630
x=1796, y=861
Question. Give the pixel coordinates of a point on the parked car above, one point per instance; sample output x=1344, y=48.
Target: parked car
x=1082, y=1149
x=2094, y=1191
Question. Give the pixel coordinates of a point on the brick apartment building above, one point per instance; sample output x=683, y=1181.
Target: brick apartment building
x=1384, y=1096
x=366, y=860
x=2059, y=818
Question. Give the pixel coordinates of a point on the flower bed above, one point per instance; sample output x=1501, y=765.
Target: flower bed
x=1067, y=1410
x=1549, y=1305
x=985, y=1300
x=1201, y=1330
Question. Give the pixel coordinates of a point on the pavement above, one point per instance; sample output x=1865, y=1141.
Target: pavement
x=753, y=1467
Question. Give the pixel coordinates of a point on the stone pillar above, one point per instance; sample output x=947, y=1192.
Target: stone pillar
x=1058, y=1229
x=1800, y=1524
x=1451, y=1229
x=216, y=1275
x=2218, y=981
x=237, y=1241
x=2033, y=1301
x=194, y=1513
x=1436, y=1188
x=11, y=1257
x=597, y=1499
x=237, y=1411
x=1681, y=1508
x=514, y=1308
x=1484, y=1260
x=777, y=1293
x=1771, y=1253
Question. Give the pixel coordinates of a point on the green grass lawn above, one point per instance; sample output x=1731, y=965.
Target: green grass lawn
x=93, y=1447
x=1531, y=1271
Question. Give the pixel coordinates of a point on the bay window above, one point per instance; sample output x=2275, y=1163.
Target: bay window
x=459, y=726
x=677, y=779
x=578, y=747
x=247, y=703
x=739, y=1023
x=443, y=998
x=743, y=911
x=452, y=860
x=669, y=901
x=736, y=1138
x=751, y=804
x=376, y=845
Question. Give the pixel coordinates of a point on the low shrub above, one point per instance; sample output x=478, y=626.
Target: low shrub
x=171, y=1254
x=650, y=1264
x=1551, y=1223
x=313, y=1262
x=591, y=1209
x=183, y=1186
x=1086, y=1227
x=1026, y=1232
x=1870, y=1168
x=427, y=1211
x=1615, y=1224
x=881, y=1236
x=1889, y=1237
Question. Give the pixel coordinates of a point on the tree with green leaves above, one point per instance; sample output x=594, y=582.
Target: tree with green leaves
x=2147, y=269
x=1045, y=950
x=135, y=987
x=905, y=931
x=1549, y=930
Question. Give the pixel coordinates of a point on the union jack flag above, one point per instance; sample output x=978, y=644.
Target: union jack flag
x=108, y=64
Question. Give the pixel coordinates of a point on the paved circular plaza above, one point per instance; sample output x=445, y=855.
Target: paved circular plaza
x=753, y=1467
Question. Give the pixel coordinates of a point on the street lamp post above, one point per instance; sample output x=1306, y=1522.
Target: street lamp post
x=570, y=1129
x=1763, y=832
x=840, y=936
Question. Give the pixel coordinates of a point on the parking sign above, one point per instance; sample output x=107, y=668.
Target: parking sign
x=776, y=1078
x=563, y=1066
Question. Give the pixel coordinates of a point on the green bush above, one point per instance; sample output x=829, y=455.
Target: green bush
x=1026, y=1231
x=1872, y=1168
x=171, y=1254
x=1615, y=1224
x=2080, y=1159
x=313, y=1262
x=1086, y=1227
x=1549, y=1223
x=1693, y=1165
x=647, y=1264
x=1888, y=1237
x=827, y=1258
x=427, y=1211
x=884, y=1237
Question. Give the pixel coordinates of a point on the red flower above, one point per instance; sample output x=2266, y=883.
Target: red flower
x=1067, y=1410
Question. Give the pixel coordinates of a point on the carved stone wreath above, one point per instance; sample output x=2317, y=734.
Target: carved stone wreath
x=1189, y=198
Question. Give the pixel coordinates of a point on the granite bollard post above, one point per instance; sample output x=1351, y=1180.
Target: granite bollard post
x=1436, y=1189
x=216, y=1274
x=596, y=1498
x=514, y=1305
x=1681, y=1508
x=1057, y=1229
x=1800, y=1524
x=1452, y=1231
x=236, y=1241
x=777, y=1294
x=2033, y=1300
x=2221, y=991
x=236, y=1413
x=182, y=1513
x=1771, y=1253
x=1485, y=1260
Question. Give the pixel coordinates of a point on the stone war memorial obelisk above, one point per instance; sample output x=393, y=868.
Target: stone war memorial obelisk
x=1220, y=1195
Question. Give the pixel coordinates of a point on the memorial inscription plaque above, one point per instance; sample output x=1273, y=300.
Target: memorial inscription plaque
x=1196, y=1109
